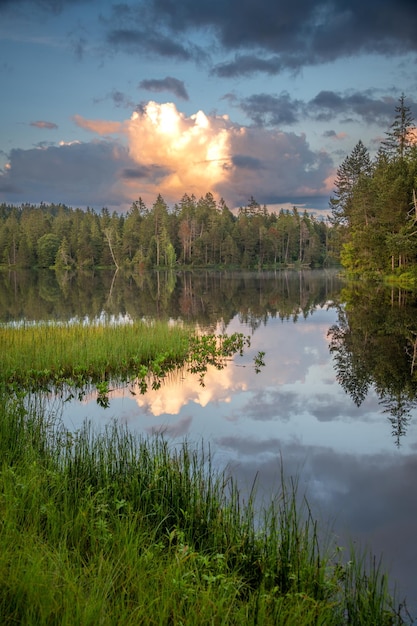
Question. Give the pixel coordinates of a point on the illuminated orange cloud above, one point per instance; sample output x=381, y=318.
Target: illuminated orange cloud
x=101, y=127
x=177, y=392
x=192, y=150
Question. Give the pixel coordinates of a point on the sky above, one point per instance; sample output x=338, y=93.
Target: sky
x=105, y=102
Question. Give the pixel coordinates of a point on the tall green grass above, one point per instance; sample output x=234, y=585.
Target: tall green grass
x=50, y=352
x=76, y=355
x=110, y=528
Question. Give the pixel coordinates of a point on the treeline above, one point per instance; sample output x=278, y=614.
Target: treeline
x=374, y=209
x=195, y=232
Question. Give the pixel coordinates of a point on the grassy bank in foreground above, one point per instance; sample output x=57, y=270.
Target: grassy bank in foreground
x=113, y=529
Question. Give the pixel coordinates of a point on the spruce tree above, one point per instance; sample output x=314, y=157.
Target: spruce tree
x=399, y=141
x=356, y=165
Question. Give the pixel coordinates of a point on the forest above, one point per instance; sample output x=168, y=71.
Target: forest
x=374, y=208
x=195, y=232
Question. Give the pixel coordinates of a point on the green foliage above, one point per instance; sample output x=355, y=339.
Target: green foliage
x=197, y=233
x=375, y=208
x=47, y=248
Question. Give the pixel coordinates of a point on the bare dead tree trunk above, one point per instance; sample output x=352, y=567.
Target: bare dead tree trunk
x=108, y=237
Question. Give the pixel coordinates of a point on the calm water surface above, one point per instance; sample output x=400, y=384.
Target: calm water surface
x=335, y=402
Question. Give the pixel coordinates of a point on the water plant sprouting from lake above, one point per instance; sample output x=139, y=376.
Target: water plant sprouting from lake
x=113, y=528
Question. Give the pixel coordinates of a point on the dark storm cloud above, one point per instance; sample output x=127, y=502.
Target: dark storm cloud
x=153, y=173
x=268, y=110
x=328, y=104
x=168, y=83
x=141, y=41
x=79, y=173
x=303, y=32
x=245, y=161
x=256, y=36
x=282, y=110
x=281, y=165
x=244, y=65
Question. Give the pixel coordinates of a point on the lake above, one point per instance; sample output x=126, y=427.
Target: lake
x=335, y=402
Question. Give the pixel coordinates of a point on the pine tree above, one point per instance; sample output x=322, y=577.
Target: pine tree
x=399, y=141
x=356, y=165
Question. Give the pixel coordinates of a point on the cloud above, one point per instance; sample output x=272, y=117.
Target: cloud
x=101, y=127
x=147, y=42
x=154, y=173
x=166, y=84
x=331, y=134
x=179, y=392
x=162, y=150
x=326, y=105
x=268, y=110
x=249, y=38
x=247, y=64
x=120, y=99
x=283, y=166
x=192, y=149
x=283, y=110
x=292, y=34
x=78, y=174
x=42, y=124
x=210, y=153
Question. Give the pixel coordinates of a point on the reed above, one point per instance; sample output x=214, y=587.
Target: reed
x=68, y=350
x=77, y=355
x=111, y=528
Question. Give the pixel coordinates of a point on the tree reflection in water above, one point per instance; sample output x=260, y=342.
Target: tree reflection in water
x=374, y=343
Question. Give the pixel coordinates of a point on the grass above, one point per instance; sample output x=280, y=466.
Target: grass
x=52, y=352
x=110, y=528
x=76, y=355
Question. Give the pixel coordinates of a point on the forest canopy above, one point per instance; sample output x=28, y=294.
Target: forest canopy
x=195, y=232
x=374, y=209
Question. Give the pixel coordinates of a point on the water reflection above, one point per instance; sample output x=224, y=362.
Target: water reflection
x=372, y=334
x=204, y=297
x=374, y=344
